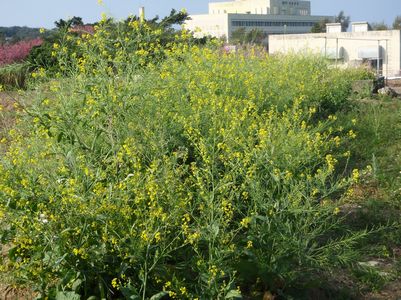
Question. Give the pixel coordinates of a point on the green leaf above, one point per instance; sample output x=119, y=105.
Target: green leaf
x=76, y=285
x=67, y=296
x=158, y=296
x=130, y=292
x=233, y=294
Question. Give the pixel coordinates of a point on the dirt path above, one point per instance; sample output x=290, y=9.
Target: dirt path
x=391, y=292
x=7, y=112
x=9, y=293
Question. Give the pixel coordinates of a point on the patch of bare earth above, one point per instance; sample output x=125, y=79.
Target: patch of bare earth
x=391, y=292
x=395, y=84
x=7, y=101
x=10, y=293
x=7, y=118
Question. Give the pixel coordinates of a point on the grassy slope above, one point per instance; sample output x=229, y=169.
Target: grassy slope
x=377, y=199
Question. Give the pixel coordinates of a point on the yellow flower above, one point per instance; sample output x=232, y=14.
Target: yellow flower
x=167, y=285
x=183, y=290
x=355, y=175
x=249, y=244
x=331, y=162
x=245, y=222
x=42, y=30
x=352, y=134
x=114, y=283
x=337, y=211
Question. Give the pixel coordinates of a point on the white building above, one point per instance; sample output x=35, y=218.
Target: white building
x=379, y=49
x=269, y=16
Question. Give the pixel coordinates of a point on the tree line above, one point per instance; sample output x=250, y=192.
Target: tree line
x=345, y=22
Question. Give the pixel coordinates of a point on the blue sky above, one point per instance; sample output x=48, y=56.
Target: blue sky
x=43, y=13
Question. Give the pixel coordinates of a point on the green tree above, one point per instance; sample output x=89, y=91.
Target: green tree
x=379, y=26
x=74, y=21
x=238, y=35
x=320, y=26
x=344, y=20
x=175, y=18
x=397, y=23
x=253, y=36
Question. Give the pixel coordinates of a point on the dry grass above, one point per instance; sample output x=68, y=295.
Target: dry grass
x=7, y=112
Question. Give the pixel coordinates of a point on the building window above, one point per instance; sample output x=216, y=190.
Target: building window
x=241, y=23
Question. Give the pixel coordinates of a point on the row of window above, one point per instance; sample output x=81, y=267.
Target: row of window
x=270, y=24
x=290, y=3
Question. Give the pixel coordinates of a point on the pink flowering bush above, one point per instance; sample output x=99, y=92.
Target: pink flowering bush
x=18, y=51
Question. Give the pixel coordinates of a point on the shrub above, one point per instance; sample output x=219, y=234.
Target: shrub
x=18, y=51
x=152, y=39
x=185, y=178
x=14, y=75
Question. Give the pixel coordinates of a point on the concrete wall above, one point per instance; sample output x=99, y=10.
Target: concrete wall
x=290, y=7
x=276, y=29
x=351, y=45
x=224, y=24
x=240, y=7
x=269, y=16
x=214, y=25
x=274, y=7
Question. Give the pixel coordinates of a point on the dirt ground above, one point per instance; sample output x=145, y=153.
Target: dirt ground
x=7, y=100
x=395, y=84
x=9, y=293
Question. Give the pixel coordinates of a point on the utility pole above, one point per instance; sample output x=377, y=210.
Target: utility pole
x=378, y=58
x=142, y=14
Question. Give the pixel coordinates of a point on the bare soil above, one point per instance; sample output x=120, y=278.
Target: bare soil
x=391, y=292
x=10, y=293
x=7, y=101
x=395, y=84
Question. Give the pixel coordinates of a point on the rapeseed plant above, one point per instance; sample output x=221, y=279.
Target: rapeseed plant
x=176, y=171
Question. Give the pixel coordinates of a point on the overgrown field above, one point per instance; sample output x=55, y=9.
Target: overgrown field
x=140, y=171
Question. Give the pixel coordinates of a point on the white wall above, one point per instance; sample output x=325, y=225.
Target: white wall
x=240, y=7
x=350, y=42
x=274, y=7
x=214, y=25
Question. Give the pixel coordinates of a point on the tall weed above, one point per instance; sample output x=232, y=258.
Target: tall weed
x=204, y=175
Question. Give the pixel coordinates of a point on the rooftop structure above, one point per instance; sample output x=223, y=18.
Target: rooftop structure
x=263, y=7
x=268, y=16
